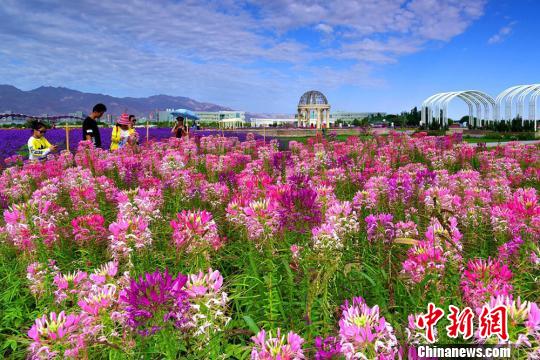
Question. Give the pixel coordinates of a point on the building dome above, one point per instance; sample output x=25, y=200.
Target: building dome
x=313, y=97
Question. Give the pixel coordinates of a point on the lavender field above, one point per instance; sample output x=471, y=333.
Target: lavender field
x=13, y=141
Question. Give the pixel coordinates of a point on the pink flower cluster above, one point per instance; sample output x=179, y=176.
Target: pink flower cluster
x=380, y=228
x=364, y=333
x=61, y=335
x=341, y=221
x=430, y=256
x=523, y=325
x=267, y=347
x=195, y=231
x=89, y=228
x=208, y=304
x=482, y=279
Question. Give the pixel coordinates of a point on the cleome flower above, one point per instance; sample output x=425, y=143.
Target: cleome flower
x=364, y=334
x=328, y=348
x=99, y=298
x=523, y=325
x=57, y=336
x=482, y=279
x=195, y=231
x=277, y=348
x=208, y=304
x=155, y=300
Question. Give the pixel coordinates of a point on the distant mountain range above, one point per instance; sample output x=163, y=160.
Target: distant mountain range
x=59, y=101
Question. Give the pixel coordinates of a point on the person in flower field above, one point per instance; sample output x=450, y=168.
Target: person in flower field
x=179, y=129
x=38, y=146
x=133, y=121
x=123, y=133
x=90, y=128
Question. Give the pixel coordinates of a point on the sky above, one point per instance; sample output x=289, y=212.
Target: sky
x=261, y=55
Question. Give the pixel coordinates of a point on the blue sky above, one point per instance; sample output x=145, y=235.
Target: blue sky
x=260, y=56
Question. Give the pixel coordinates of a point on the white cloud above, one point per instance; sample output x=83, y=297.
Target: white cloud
x=222, y=51
x=502, y=34
x=324, y=28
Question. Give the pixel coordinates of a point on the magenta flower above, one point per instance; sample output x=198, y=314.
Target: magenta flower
x=128, y=235
x=328, y=348
x=485, y=278
x=298, y=208
x=104, y=273
x=422, y=259
x=69, y=285
x=57, y=335
x=195, y=231
x=277, y=348
x=155, y=300
x=18, y=230
x=88, y=228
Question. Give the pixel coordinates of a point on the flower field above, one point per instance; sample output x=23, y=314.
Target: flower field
x=216, y=248
x=13, y=141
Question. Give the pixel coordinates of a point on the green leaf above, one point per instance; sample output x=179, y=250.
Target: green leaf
x=368, y=278
x=251, y=324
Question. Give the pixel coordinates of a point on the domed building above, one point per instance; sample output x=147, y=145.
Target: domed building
x=313, y=109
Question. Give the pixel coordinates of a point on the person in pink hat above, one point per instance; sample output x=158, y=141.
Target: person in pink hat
x=122, y=133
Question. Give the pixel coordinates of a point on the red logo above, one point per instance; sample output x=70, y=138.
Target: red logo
x=461, y=322
x=430, y=320
x=493, y=322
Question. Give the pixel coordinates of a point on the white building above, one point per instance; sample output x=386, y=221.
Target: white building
x=225, y=118
x=263, y=122
x=221, y=116
x=12, y=119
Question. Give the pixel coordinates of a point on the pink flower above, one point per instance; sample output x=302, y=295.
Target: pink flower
x=365, y=334
x=106, y=272
x=88, y=228
x=278, y=348
x=484, y=278
x=57, y=335
x=203, y=283
x=129, y=235
x=523, y=324
x=422, y=259
x=380, y=228
x=195, y=231
x=99, y=298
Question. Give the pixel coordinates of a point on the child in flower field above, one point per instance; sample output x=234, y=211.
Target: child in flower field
x=123, y=133
x=38, y=146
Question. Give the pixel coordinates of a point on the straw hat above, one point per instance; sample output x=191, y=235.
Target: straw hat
x=124, y=119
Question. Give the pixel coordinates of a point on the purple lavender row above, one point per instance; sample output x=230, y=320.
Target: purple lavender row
x=14, y=140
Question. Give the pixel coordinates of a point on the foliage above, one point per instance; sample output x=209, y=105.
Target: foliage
x=216, y=248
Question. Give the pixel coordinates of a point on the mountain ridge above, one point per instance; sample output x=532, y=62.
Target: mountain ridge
x=61, y=100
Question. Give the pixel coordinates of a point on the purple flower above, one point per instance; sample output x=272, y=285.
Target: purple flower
x=380, y=228
x=155, y=299
x=299, y=209
x=329, y=348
